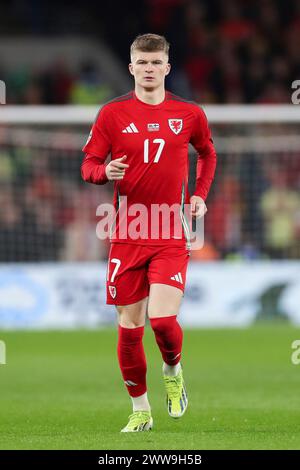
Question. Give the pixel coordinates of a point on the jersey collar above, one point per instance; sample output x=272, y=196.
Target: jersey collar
x=151, y=106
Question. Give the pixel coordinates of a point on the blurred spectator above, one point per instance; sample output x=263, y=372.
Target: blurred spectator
x=280, y=206
x=223, y=221
x=56, y=83
x=207, y=253
x=10, y=227
x=81, y=242
x=89, y=87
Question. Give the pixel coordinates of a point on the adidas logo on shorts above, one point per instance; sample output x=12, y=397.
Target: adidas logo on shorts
x=177, y=278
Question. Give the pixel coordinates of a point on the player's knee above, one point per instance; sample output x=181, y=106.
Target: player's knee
x=132, y=316
x=129, y=320
x=125, y=323
x=161, y=324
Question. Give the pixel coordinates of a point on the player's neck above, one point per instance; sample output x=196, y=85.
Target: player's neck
x=150, y=96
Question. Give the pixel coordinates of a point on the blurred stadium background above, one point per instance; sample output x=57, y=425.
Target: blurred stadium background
x=238, y=59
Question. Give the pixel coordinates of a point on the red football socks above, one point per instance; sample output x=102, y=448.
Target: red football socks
x=168, y=335
x=132, y=359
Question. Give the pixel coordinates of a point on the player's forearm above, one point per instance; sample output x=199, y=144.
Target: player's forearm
x=206, y=166
x=93, y=170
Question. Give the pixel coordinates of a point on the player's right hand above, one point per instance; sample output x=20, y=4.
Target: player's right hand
x=115, y=170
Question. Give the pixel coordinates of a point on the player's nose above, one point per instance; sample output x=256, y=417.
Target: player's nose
x=149, y=68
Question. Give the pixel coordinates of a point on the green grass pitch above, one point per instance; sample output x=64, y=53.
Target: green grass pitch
x=63, y=390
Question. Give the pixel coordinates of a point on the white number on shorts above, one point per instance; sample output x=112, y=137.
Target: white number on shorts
x=161, y=143
x=118, y=264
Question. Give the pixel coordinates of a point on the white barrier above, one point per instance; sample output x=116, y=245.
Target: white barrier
x=73, y=114
x=217, y=294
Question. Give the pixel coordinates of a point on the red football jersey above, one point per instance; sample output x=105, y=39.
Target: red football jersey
x=155, y=139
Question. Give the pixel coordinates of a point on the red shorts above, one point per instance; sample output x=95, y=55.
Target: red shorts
x=132, y=268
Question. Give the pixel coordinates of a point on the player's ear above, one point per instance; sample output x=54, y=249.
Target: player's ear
x=130, y=67
x=168, y=68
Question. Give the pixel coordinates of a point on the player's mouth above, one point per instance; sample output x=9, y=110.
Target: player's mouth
x=149, y=79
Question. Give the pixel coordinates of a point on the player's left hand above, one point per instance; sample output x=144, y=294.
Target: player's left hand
x=198, y=207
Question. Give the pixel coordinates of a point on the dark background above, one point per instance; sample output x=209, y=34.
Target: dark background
x=236, y=51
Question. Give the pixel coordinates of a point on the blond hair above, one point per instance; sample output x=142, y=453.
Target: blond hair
x=150, y=43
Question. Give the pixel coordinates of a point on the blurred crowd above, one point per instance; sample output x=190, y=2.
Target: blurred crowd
x=222, y=52
x=48, y=213
x=56, y=84
x=254, y=207
x=45, y=212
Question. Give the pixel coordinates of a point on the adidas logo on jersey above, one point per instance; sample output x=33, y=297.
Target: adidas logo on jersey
x=177, y=278
x=130, y=129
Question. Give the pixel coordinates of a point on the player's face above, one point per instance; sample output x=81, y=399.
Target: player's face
x=149, y=69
